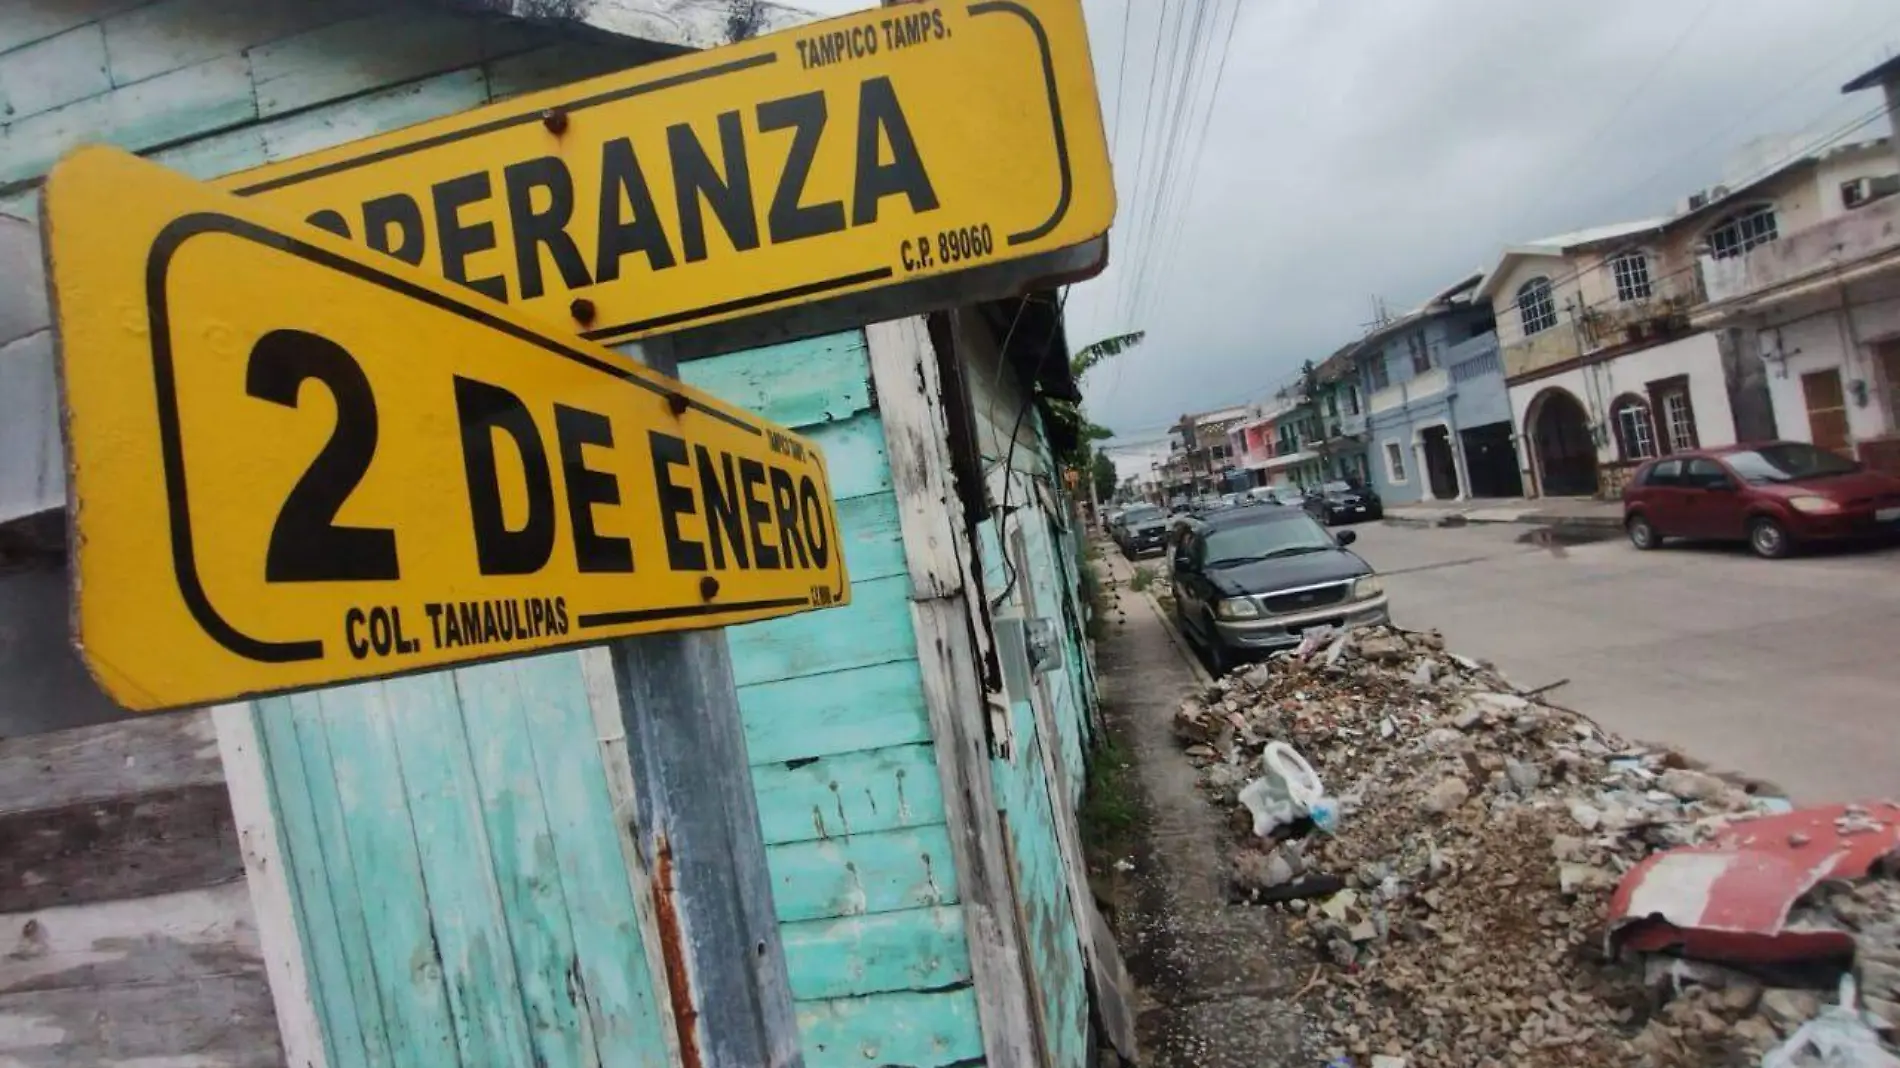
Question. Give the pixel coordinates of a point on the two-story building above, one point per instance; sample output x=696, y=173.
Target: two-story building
x=1606, y=364
x=1438, y=420
x=1201, y=458
x=1339, y=410
x=1821, y=307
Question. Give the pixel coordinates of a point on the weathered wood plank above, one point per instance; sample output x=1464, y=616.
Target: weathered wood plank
x=832, y=380
x=872, y=629
x=131, y=942
x=849, y=794
x=145, y=755
x=267, y=875
x=217, y=154
x=917, y=949
x=842, y=712
x=154, y=842
x=55, y=71
x=949, y=617
x=854, y=455
x=374, y=113
x=561, y=63
x=690, y=24
x=349, y=744
x=873, y=543
x=513, y=817
x=422, y=718
x=331, y=927
x=911, y=1028
x=396, y=45
x=170, y=107
x=155, y=38
x=870, y=873
x=219, y=1021
x=607, y=903
x=28, y=21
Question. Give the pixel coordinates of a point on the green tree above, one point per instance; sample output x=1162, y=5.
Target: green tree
x=1102, y=470
x=1090, y=355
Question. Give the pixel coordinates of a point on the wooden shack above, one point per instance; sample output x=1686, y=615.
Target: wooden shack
x=437, y=870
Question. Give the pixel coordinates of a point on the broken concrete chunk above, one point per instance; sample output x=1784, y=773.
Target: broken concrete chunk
x=1691, y=785
x=1525, y=777
x=1789, y=1009
x=1447, y=795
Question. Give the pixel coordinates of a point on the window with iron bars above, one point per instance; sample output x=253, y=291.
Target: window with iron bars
x=1631, y=271
x=1746, y=229
x=1536, y=308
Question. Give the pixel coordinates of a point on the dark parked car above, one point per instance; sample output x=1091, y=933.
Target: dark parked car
x=1342, y=502
x=1252, y=580
x=1141, y=529
x=1774, y=496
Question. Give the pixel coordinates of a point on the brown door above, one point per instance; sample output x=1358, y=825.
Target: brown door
x=1827, y=408
x=1889, y=354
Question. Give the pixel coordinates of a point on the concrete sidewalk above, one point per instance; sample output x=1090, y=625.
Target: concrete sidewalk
x=1541, y=511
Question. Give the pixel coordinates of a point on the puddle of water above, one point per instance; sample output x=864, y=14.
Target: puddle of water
x=1558, y=537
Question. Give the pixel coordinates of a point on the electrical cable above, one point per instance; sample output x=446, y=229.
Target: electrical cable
x=1121, y=78
x=1172, y=248
x=1009, y=455
x=1148, y=110
x=1193, y=55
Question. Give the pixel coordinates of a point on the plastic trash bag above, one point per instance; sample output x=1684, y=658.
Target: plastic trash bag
x=1287, y=790
x=1836, y=1038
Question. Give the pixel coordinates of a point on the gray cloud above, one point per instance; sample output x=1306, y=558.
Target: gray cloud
x=1389, y=146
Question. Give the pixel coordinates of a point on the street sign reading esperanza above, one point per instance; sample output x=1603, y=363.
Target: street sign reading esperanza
x=296, y=463
x=853, y=154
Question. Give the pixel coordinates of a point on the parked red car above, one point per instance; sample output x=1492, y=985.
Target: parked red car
x=1775, y=496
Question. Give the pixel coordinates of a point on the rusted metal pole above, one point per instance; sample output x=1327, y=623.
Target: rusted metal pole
x=698, y=832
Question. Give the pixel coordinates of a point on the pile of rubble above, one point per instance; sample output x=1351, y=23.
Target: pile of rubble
x=1458, y=916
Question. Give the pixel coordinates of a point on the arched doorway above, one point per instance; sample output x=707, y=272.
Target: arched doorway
x=1565, y=451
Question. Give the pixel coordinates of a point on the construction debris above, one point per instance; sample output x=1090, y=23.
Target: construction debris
x=1461, y=906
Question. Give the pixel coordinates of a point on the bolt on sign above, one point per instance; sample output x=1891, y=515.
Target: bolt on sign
x=791, y=174
x=295, y=462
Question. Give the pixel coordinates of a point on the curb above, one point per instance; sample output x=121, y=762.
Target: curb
x=1179, y=640
x=1560, y=522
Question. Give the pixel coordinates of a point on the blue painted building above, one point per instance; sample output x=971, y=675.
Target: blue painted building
x=1437, y=418
x=447, y=870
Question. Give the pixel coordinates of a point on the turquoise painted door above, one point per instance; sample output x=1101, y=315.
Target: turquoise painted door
x=457, y=874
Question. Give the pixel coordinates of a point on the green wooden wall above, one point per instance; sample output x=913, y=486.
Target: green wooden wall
x=840, y=744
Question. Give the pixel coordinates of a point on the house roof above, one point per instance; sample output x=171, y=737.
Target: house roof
x=685, y=24
x=1557, y=245
x=1439, y=303
x=1881, y=75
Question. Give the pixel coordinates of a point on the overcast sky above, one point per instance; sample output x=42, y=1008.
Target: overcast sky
x=1388, y=147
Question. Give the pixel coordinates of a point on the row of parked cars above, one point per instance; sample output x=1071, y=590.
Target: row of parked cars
x=1143, y=528
x=1260, y=571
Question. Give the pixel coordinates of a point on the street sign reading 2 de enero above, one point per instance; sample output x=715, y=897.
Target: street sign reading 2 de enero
x=295, y=463
x=801, y=172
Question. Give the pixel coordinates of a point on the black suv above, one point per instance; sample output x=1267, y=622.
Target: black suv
x=1343, y=502
x=1253, y=580
x=1141, y=529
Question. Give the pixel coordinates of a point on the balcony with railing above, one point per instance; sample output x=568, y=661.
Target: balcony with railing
x=1867, y=237
x=1661, y=315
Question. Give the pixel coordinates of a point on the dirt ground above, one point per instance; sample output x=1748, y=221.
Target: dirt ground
x=1216, y=980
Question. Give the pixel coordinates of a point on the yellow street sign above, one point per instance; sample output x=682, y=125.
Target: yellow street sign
x=840, y=160
x=297, y=463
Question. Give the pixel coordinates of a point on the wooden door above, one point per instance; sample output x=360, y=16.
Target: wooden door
x=1888, y=354
x=1827, y=409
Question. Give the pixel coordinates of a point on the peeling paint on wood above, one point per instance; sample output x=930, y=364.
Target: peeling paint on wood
x=881, y=872
x=52, y=72
x=918, y=949
x=849, y=794
x=910, y=1028
x=847, y=711
x=799, y=384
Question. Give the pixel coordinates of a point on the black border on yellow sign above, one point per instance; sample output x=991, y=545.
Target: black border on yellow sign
x=184, y=557
x=808, y=289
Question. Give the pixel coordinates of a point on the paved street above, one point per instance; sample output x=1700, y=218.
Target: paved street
x=1789, y=671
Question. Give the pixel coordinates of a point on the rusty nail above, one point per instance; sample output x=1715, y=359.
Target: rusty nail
x=677, y=402
x=582, y=310
x=708, y=587
x=555, y=119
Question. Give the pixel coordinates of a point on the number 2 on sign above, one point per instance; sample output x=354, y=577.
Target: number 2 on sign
x=306, y=544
